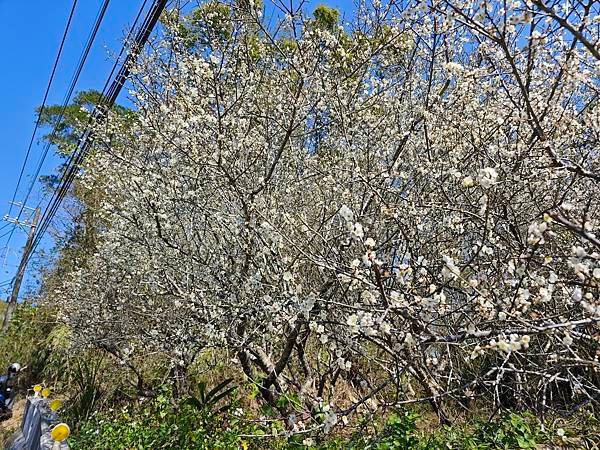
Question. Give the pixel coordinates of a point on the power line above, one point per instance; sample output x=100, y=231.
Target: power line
x=115, y=65
x=118, y=59
x=59, y=194
x=73, y=82
x=74, y=79
x=39, y=227
x=37, y=124
x=30, y=240
x=108, y=99
x=8, y=232
x=12, y=301
x=39, y=118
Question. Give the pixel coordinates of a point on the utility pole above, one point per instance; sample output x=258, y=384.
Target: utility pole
x=12, y=301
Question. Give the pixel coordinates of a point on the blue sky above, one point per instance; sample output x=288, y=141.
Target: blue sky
x=30, y=32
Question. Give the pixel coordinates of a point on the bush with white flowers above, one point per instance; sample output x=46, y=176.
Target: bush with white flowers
x=404, y=208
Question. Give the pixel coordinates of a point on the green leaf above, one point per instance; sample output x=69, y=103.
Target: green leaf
x=217, y=388
x=193, y=401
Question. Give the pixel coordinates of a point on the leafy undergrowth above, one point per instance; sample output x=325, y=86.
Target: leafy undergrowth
x=105, y=414
x=198, y=425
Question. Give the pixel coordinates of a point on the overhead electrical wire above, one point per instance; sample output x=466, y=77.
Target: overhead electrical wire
x=39, y=117
x=124, y=46
x=66, y=100
x=91, y=38
x=74, y=79
x=58, y=192
x=6, y=234
x=118, y=59
x=107, y=101
x=72, y=162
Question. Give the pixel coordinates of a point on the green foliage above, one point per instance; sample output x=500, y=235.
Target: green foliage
x=5, y=435
x=290, y=399
x=205, y=403
x=28, y=341
x=325, y=17
x=206, y=26
x=253, y=47
x=160, y=425
x=399, y=432
x=212, y=20
x=512, y=431
x=69, y=120
x=65, y=124
x=87, y=389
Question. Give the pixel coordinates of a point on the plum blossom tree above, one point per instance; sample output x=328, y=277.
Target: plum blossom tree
x=403, y=208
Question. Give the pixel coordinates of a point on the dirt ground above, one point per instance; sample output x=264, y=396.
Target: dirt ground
x=8, y=427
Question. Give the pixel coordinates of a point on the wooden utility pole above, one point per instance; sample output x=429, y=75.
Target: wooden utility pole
x=12, y=301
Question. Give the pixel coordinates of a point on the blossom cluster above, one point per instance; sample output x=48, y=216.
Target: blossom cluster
x=402, y=198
